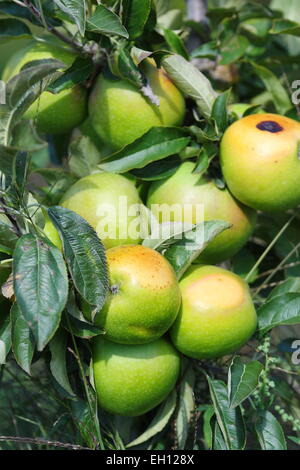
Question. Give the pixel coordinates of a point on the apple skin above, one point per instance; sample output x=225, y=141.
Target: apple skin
x=217, y=315
x=184, y=187
x=145, y=297
x=51, y=233
x=261, y=167
x=120, y=113
x=130, y=380
x=55, y=113
x=90, y=195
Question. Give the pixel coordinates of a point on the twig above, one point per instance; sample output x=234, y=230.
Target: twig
x=43, y=442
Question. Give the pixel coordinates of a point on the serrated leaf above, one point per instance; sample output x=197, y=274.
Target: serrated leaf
x=40, y=285
x=84, y=253
x=58, y=366
x=269, y=432
x=281, y=310
x=79, y=71
x=75, y=10
x=229, y=419
x=242, y=380
x=157, y=144
x=191, y=82
x=22, y=339
x=106, y=22
x=159, y=421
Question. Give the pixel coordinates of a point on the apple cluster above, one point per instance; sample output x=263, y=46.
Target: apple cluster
x=150, y=318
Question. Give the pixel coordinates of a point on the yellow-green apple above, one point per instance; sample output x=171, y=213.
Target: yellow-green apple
x=51, y=232
x=181, y=197
x=144, y=296
x=260, y=161
x=132, y=379
x=120, y=113
x=217, y=316
x=112, y=206
x=54, y=113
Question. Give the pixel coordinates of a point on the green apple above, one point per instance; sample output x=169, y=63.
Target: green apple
x=132, y=379
x=260, y=161
x=144, y=296
x=51, y=232
x=111, y=205
x=120, y=113
x=185, y=190
x=54, y=113
x=217, y=316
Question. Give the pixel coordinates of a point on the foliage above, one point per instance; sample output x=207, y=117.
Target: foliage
x=249, y=52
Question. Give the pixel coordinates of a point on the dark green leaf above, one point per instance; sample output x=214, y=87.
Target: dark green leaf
x=84, y=156
x=175, y=43
x=156, y=144
x=284, y=26
x=40, y=285
x=135, y=16
x=234, y=49
x=269, y=432
x=79, y=71
x=84, y=253
x=242, y=380
x=22, y=339
x=281, y=310
x=219, y=111
x=58, y=366
x=158, y=170
x=229, y=419
x=104, y=21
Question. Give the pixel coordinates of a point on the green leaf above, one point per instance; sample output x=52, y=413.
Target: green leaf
x=104, y=21
x=84, y=253
x=229, y=419
x=22, y=339
x=86, y=420
x=75, y=10
x=281, y=310
x=22, y=90
x=242, y=380
x=218, y=439
x=8, y=236
x=79, y=71
x=175, y=43
x=207, y=430
x=75, y=322
x=284, y=26
x=186, y=407
x=191, y=82
x=5, y=338
x=279, y=94
x=12, y=9
x=182, y=254
x=158, y=170
x=58, y=366
x=291, y=285
x=135, y=16
x=13, y=29
x=234, y=49
x=159, y=421
x=156, y=144
x=219, y=111
x=269, y=432
x=40, y=285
